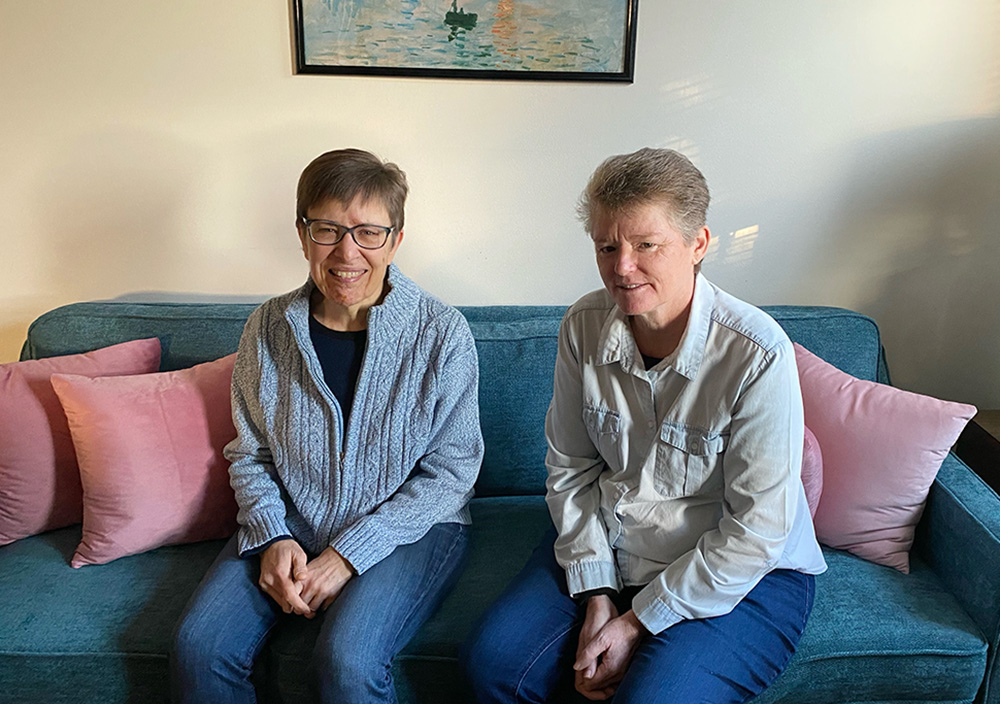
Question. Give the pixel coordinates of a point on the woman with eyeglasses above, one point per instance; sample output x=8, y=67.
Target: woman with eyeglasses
x=355, y=400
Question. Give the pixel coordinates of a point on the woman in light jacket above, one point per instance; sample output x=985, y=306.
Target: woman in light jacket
x=356, y=406
x=681, y=568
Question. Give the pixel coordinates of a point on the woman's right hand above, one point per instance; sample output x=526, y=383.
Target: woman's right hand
x=278, y=564
x=600, y=610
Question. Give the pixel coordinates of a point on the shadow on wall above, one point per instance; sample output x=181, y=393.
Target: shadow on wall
x=12, y=337
x=925, y=223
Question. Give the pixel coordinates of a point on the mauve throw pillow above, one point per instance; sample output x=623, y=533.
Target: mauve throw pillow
x=882, y=448
x=39, y=479
x=150, y=455
x=812, y=470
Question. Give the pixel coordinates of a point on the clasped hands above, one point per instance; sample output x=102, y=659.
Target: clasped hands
x=299, y=585
x=607, y=643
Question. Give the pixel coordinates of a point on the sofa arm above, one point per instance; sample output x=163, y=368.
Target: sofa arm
x=959, y=537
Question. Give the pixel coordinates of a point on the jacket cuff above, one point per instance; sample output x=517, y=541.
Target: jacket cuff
x=592, y=574
x=262, y=528
x=361, y=545
x=652, y=611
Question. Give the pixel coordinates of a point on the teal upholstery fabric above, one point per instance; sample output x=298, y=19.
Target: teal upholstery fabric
x=101, y=633
x=190, y=333
x=889, y=636
x=959, y=538
x=96, y=634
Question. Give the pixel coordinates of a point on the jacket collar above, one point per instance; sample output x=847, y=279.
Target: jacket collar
x=617, y=344
x=397, y=306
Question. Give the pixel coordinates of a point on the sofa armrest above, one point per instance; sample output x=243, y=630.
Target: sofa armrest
x=959, y=537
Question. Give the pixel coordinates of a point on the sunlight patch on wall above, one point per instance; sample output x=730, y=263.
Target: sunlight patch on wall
x=685, y=146
x=688, y=93
x=739, y=245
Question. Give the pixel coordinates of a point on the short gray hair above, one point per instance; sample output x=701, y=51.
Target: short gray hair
x=648, y=176
x=344, y=174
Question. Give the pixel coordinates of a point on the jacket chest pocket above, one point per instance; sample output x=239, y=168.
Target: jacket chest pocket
x=605, y=428
x=688, y=461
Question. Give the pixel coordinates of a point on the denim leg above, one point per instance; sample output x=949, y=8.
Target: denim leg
x=523, y=648
x=726, y=659
x=221, y=632
x=379, y=611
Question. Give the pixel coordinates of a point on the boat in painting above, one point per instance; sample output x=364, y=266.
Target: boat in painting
x=458, y=18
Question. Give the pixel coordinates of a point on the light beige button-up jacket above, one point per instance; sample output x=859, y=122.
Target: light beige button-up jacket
x=684, y=478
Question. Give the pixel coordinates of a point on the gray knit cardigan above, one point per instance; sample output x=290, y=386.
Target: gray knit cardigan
x=410, y=455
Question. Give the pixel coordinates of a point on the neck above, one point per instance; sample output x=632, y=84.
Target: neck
x=658, y=333
x=338, y=317
x=659, y=340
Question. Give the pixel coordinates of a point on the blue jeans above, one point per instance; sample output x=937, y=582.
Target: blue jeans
x=523, y=648
x=229, y=619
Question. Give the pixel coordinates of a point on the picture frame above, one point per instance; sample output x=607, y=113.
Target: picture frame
x=541, y=40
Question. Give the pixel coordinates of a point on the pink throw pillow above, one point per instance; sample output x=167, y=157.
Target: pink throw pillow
x=39, y=479
x=150, y=455
x=812, y=471
x=882, y=448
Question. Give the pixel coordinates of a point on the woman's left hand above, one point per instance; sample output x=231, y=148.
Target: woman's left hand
x=608, y=655
x=323, y=578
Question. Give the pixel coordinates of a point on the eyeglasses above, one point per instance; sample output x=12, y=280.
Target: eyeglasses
x=364, y=235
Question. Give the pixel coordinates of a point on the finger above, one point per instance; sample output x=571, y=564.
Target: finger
x=295, y=601
x=606, y=677
x=590, y=654
x=583, y=662
x=282, y=604
x=299, y=571
x=316, y=601
x=329, y=600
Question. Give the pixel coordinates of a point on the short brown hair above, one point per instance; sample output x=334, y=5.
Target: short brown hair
x=344, y=174
x=649, y=176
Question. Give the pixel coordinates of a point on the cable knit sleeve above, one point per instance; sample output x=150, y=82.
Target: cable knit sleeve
x=252, y=473
x=441, y=483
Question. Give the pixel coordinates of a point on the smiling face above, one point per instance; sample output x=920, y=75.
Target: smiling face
x=646, y=265
x=350, y=279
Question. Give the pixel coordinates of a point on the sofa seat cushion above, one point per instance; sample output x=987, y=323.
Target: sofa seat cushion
x=877, y=635
x=97, y=634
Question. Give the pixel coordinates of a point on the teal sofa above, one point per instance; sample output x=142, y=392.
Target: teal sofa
x=101, y=634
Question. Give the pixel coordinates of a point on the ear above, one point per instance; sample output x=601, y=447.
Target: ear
x=303, y=237
x=399, y=241
x=700, y=248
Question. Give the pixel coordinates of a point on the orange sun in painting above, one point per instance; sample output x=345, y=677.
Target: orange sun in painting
x=505, y=29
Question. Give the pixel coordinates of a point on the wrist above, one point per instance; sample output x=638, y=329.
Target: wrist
x=340, y=562
x=347, y=564
x=634, y=624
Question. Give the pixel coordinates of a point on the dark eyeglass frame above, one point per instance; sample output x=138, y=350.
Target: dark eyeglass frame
x=344, y=230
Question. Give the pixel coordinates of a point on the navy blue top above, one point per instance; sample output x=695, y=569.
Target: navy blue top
x=650, y=362
x=340, y=354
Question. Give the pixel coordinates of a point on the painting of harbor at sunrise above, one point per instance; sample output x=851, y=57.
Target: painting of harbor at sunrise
x=590, y=40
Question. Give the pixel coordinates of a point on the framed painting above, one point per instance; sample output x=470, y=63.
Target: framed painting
x=576, y=40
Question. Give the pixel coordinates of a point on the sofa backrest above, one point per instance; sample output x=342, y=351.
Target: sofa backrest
x=516, y=345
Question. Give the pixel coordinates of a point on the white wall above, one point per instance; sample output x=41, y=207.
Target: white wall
x=154, y=147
